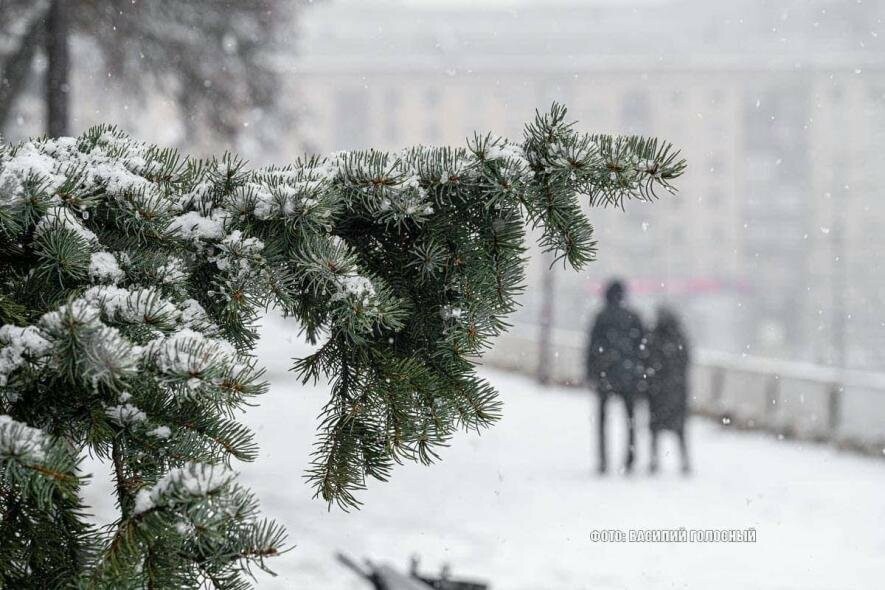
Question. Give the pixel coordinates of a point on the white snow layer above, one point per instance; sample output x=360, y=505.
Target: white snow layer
x=125, y=414
x=173, y=272
x=161, y=432
x=132, y=305
x=354, y=285
x=194, y=480
x=20, y=441
x=27, y=165
x=505, y=151
x=15, y=344
x=193, y=226
x=62, y=217
x=187, y=352
x=103, y=267
x=515, y=505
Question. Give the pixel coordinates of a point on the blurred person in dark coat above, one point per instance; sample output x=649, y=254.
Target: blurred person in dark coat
x=613, y=365
x=666, y=368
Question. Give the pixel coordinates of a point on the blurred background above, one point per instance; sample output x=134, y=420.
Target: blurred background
x=773, y=245
x=771, y=252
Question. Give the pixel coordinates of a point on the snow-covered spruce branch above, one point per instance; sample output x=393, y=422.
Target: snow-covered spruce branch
x=33, y=461
x=132, y=279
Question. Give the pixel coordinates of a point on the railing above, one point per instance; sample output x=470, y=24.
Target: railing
x=790, y=399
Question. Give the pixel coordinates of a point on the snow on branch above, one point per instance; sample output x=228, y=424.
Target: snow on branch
x=134, y=279
x=21, y=442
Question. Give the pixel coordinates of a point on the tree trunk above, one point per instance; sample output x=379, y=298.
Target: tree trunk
x=16, y=70
x=58, y=66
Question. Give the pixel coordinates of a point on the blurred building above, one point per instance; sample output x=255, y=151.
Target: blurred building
x=772, y=246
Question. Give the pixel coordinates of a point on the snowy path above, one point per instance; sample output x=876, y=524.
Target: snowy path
x=516, y=505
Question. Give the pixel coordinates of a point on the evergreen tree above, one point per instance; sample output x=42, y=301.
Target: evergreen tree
x=214, y=57
x=131, y=281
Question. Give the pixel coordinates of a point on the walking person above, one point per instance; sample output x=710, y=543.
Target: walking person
x=614, y=367
x=667, y=373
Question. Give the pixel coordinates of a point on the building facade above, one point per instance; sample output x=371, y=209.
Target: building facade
x=772, y=245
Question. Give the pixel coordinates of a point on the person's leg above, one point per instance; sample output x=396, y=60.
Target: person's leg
x=631, y=435
x=683, y=451
x=653, y=464
x=600, y=443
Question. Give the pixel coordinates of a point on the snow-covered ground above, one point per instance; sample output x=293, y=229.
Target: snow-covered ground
x=516, y=504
